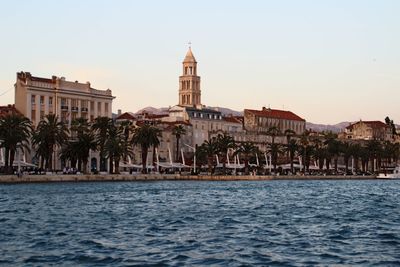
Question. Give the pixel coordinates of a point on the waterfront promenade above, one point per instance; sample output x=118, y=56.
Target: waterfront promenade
x=167, y=177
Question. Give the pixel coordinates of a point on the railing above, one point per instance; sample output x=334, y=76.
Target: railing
x=74, y=109
x=64, y=107
x=83, y=109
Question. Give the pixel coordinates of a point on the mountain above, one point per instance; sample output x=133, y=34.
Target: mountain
x=227, y=111
x=336, y=128
x=153, y=110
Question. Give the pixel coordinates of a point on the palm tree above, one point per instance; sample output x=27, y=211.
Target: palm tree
x=289, y=134
x=291, y=149
x=49, y=135
x=356, y=153
x=178, y=131
x=146, y=136
x=375, y=149
x=274, y=149
x=15, y=130
x=224, y=142
x=86, y=142
x=305, y=150
x=69, y=152
x=209, y=149
x=114, y=148
x=364, y=155
x=79, y=128
x=127, y=130
x=332, y=148
x=247, y=149
x=347, y=151
x=273, y=132
x=101, y=126
x=319, y=152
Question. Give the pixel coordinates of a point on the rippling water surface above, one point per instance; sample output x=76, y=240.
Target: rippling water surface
x=201, y=223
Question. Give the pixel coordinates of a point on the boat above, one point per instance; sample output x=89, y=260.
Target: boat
x=394, y=175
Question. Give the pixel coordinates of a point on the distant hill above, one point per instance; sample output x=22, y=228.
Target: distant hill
x=227, y=111
x=336, y=128
x=153, y=110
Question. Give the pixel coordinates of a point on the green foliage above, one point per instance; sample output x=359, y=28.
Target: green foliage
x=146, y=136
x=49, y=134
x=15, y=131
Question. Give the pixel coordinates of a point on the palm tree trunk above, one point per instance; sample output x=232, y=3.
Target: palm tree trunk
x=336, y=163
x=84, y=164
x=7, y=158
x=154, y=158
x=346, y=164
x=116, y=161
x=12, y=156
x=111, y=169
x=80, y=165
x=209, y=162
x=291, y=163
x=177, y=150
x=144, y=159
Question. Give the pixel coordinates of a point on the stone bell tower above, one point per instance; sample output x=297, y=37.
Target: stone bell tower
x=189, y=82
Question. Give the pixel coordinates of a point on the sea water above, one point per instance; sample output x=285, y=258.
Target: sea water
x=195, y=223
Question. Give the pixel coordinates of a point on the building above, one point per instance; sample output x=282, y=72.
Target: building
x=203, y=120
x=189, y=82
x=9, y=109
x=36, y=97
x=367, y=130
x=262, y=120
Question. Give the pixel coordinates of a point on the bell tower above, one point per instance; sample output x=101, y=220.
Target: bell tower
x=189, y=82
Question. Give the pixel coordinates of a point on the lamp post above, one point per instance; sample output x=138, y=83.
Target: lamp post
x=194, y=157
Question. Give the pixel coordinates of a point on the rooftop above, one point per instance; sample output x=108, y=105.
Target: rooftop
x=372, y=124
x=275, y=113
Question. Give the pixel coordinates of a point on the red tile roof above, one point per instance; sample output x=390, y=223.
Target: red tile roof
x=126, y=116
x=276, y=114
x=4, y=110
x=372, y=124
x=232, y=119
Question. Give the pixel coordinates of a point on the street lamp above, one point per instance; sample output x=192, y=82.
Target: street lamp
x=194, y=157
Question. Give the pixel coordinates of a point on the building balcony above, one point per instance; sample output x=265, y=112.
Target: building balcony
x=83, y=109
x=64, y=108
x=74, y=109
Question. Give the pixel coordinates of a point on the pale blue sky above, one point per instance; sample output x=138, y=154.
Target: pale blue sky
x=327, y=61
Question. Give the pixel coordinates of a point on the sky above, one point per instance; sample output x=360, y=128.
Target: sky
x=327, y=61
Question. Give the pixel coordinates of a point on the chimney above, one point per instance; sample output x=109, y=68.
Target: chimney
x=119, y=112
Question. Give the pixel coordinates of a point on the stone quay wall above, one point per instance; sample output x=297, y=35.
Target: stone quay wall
x=163, y=177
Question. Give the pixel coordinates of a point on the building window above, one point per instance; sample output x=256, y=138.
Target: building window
x=106, y=107
x=41, y=100
x=99, y=107
x=33, y=99
x=50, y=101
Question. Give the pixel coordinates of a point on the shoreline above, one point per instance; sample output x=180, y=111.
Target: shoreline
x=56, y=178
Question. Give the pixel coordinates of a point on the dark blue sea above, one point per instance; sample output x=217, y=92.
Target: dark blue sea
x=265, y=223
